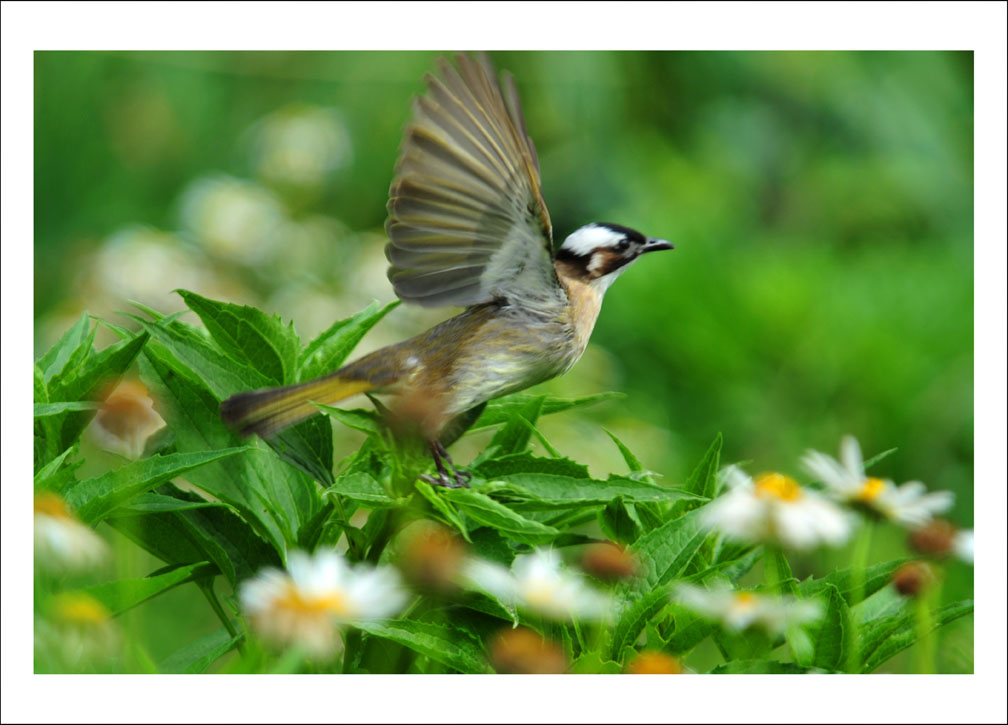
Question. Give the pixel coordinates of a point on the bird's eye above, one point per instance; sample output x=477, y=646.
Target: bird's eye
x=623, y=245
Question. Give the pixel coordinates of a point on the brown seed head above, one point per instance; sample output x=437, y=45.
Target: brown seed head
x=933, y=539
x=609, y=561
x=912, y=578
x=523, y=652
x=431, y=557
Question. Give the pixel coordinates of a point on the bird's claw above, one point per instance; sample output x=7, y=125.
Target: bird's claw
x=461, y=479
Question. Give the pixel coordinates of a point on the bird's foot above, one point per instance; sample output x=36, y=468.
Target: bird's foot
x=455, y=479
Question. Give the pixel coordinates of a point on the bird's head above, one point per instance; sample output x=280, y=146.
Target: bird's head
x=599, y=253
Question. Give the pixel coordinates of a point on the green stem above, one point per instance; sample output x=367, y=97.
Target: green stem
x=924, y=659
x=772, y=573
x=351, y=643
x=859, y=561
x=206, y=586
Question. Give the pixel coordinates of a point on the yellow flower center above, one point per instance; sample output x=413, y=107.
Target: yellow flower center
x=870, y=490
x=542, y=594
x=745, y=600
x=332, y=603
x=777, y=485
x=51, y=505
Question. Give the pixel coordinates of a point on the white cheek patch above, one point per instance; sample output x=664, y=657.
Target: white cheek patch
x=602, y=283
x=589, y=238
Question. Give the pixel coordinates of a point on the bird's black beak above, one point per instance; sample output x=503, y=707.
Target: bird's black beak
x=655, y=245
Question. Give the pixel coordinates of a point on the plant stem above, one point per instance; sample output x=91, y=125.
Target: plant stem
x=924, y=659
x=206, y=586
x=859, y=561
x=351, y=644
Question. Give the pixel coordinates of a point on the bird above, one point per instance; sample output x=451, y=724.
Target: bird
x=468, y=227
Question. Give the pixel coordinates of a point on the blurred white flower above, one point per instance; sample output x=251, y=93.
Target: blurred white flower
x=300, y=146
x=962, y=545
x=738, y=610
x=233, y=219
x=539, y=583
x=143, y=264
x=306, y=604
x=774, y=508
x=909, y=505
x=76, y=632
x=125, y=420
x=63, y=543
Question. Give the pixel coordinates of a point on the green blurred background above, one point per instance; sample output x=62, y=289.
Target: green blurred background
x=821, y=204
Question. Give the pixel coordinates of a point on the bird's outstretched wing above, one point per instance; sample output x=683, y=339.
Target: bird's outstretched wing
x=467, y=222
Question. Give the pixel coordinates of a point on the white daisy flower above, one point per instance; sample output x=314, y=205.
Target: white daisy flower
x=306, y=604
x=738, y=610
x=908, y=505
x=962, y=545
x=538, y=582
x=63, y=543
x=774, y=508
x=76, y=633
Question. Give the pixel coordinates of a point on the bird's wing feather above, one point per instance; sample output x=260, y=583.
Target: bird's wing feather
x=467, y=222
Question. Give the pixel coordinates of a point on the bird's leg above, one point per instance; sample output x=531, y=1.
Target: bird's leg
x=457, y=479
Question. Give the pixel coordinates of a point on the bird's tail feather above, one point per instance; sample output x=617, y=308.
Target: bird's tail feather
x=270, y=410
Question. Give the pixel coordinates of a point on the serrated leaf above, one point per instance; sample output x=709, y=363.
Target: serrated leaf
x=119, y=596
x=45, y=478
x=197, y=656
x=155, y=503
x=513, y=436
x=889, y=638
x=329, y=350
x=688, y=630
x=308, y=446
x=873, y=579
x=249, y=336
x=441, y=644
x=619, y=522
x=592, y=664
x=55, y=359
x=365, y=489
x=631, y=460
x=488, y=512
x=703, y=480
x=450, y=515
x=830, y=636
x=633, y=618
x=500, y=410
x=94, y=498
x=44, y=410
x=666, y=552
x=366, y=421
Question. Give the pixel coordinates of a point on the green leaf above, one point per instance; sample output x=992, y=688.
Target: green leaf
x=592, y=664
x=119, y=596
x=688, y=629
x=249, y=336
x=513, y=437
x=502, y=409
x=365, y=489
x=830, y=636
x=308, y=446
x=760, y=667
x=439, y=643
x=552, y=482
x=879, y=457
x=633, y=618
x=276, y=498
x=329, y=350
x=666, y=552
x=450, y=515
x=156, y=503
x=889, y=638
x=703, y=480
x=55, y=359
x=619, y=522
x=631, y=460
x=873, y=579
x=94, y=498
x=488, y=512
x=51, y=478
x=197, y=656
x=365, y=421
x=55, y=433
x=44, y=410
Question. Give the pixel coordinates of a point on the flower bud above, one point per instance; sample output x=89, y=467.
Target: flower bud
x=431, y=558
x=933, y=539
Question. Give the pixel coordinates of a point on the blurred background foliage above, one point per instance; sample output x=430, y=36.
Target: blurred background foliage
x=821, y=204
